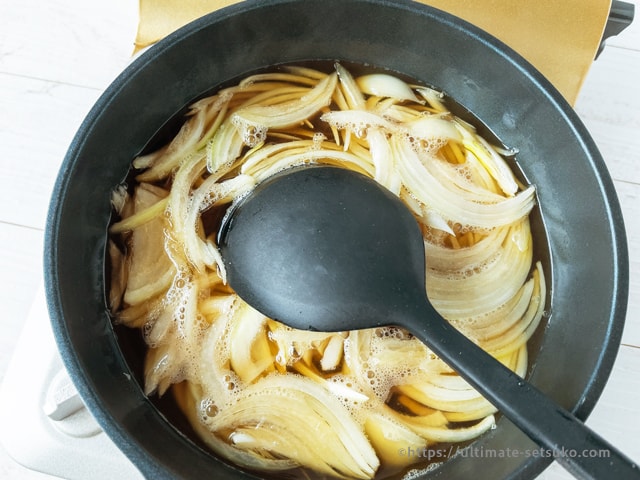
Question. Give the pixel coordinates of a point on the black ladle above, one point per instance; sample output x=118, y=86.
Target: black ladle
x=325, y=248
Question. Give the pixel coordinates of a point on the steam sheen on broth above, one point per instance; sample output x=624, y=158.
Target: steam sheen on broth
x=334, y=405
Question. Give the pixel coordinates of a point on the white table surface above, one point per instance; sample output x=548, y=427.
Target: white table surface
x=57, y=56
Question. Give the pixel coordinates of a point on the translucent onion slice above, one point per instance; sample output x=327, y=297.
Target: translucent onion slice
x=383, y=85
x=160, y=368
x=141, y=217
x=215, y=108
x=490, y=285
x=391, y=438
x=454, y=396
x=329, y=157
x=270, y=94
x=307, y=72
x=458, y=178
x=136, y=316
x=491, y=160
x=270, y=159
x=224, y=148
x=120, y=199
x=194, y=133
x=399, y=113
x=350, y=89
x=203, y=252
x=292, y=76
x=297, y=406
x=470, y=415
x=487, y=327
x=435, y=220
x=172, y=361
x=447, y=259
x=332, y=354
x=198, y=407
x=449, y=435
x=119, y=274
x=187, y=174
x=265, y=153
x=215, y=306
x=248, y=343
x=287, y=114
x=505, y=342
x=151, y=270
x=292, y=343
x=381, y=155
x=443, y=399
x=433, y=126
x=452, y=204
x=358, y=121
x=434, y=98
x=212, y=370
x=340, y=387
x=380, y=359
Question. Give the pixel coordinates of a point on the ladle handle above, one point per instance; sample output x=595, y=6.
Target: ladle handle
x=575, y=446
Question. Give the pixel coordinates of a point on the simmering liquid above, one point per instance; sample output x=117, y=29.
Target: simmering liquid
x=298, y=404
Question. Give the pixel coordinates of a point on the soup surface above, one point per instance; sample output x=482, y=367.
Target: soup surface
x=359, y=404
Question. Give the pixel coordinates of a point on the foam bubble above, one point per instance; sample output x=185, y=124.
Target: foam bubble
x=351, y=396
x=318, y=138
x=251, y=133
x=208, y=409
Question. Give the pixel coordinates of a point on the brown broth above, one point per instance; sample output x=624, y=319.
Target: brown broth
x=134, y=347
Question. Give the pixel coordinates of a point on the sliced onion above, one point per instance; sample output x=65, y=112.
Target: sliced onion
x=357, y=120
x=287, y=114
x=332, y=354
x=435, y=220
x=491, y=160
x=385, y=170
x=190, y=137
x=150, y=269
x=433, y=127
x=448, y=435
x=140, y=218
x=224, y=148
x=119, y=274
x=248, y=344
x=454, y=205
x=350, y=89
x=383, y=85
x=490, y=285
x=433, y=98
x=391, y=439
x=298, y=406
x=197, y=406
x=203, y=252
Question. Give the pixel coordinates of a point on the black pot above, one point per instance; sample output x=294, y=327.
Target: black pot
x=578, y=224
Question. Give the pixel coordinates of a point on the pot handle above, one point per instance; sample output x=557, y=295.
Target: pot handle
x=620, y=17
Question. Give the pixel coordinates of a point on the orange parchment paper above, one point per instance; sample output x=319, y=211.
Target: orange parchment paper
x=559, y=37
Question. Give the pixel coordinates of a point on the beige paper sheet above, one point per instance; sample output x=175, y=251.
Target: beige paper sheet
x=559, y=37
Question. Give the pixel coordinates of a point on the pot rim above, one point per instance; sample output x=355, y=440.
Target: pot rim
x=57, y=302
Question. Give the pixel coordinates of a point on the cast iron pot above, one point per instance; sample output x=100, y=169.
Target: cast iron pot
x=578, y=225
